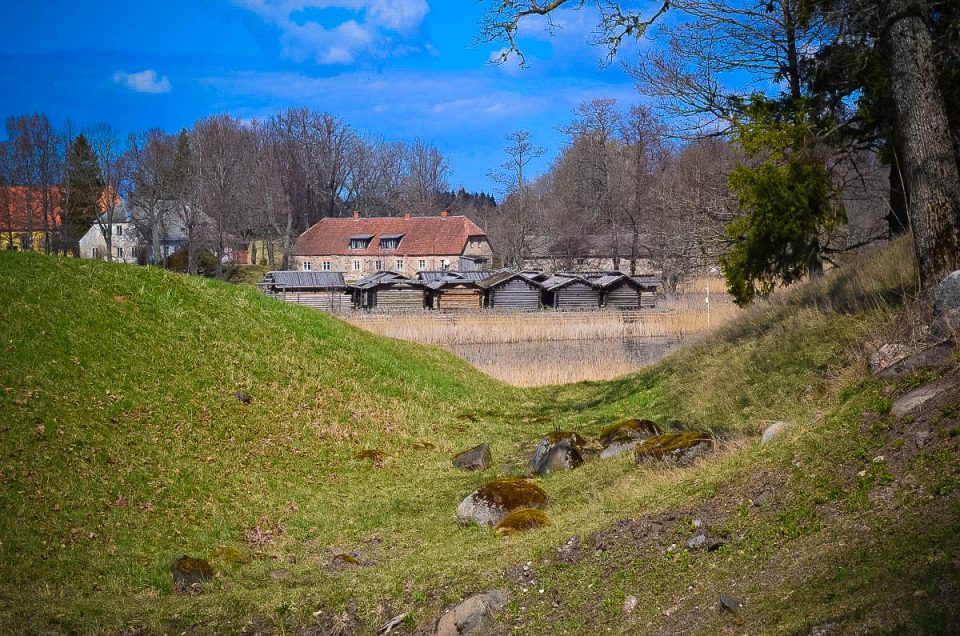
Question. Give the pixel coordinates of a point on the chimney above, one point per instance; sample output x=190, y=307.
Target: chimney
x=444, y=214
x=356, y=214
x=407, y=216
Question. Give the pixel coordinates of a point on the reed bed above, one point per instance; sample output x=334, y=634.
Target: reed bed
x=551, y=347
x=544, y=363
x=677, y=319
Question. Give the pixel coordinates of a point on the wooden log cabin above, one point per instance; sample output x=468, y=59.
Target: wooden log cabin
x=454, y=291
x=512, y=291
x=628, y=292
x=389, y=291
x=325, y=291
x=571, y=293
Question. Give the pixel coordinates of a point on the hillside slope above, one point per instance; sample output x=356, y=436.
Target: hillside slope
x=147, y=415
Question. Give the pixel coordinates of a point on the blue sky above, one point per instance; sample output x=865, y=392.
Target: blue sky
x=400, y=68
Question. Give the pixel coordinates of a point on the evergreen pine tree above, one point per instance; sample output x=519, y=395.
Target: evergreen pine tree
x=83, y=189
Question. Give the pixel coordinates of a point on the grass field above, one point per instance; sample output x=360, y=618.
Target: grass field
x=124, y=445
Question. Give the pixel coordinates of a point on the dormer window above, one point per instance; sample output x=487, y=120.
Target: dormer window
x=360, y=241
x=390, y=241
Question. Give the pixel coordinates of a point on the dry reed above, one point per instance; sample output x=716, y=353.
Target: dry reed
x=551, y=347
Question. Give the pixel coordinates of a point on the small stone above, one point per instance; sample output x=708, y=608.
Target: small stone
x=189, y=574
x=697, y=523
x=476, y=458
x=473, y=616
x=697, y=542
x=887, y=355
x=729, y=603
x=244, y=397
x=772, y=431
x=914, y=400
x=280, y=574
x=630, y=603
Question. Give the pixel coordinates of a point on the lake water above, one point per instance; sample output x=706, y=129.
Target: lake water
x=559, y=362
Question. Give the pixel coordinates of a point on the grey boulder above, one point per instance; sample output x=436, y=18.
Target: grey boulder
x=473, y=616
x=476, y=458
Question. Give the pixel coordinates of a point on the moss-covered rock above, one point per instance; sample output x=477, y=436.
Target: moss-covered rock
x=378, y=456
x=680, y=448
x=521, y=521
x=229, y=555
x=627, y=430
x=623, y=436
x=572, y=445
x=189, y=573
x=488, y=505
x=476, y=458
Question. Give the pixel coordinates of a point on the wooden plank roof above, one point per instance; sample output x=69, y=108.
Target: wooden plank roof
x=305, y=280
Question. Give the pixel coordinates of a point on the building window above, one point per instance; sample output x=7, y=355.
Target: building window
x=399, y=264
x=422, y=264
x=96, y=252
x=119, y=252
x=390, y=241
x=119, y=230
x=360, y=241
x=307, y=266
x=26, y=242
x=356, y=266
x=325, y=266
x=445, y=264
x=379, y=265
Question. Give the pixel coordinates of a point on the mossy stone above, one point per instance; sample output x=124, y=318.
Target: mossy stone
x=677, y=447
x=489, y=504
x=628, y=430
x=229, y=555
x=346, y=558
x=188, y=573
x=555, y=437
x=521, y=521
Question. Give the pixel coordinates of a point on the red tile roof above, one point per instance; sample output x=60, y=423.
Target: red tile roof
x=21, y=208
x=422, y=236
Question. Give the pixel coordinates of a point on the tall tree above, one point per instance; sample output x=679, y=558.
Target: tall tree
x=83, y=188
x=151, y=193
x=34, y=159
x=511, y=231
x=113, y=164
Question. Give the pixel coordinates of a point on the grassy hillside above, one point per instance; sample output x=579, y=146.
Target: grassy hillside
x=125, y=444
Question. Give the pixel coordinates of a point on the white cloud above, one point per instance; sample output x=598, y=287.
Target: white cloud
x=368, y=34
x=143, y=82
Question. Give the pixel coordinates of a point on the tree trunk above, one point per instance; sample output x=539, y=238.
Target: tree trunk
x=930, y=166
x=898, y=220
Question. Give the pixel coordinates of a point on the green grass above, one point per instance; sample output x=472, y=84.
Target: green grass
x=124, y=445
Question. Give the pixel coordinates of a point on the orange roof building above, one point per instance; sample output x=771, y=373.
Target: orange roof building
x=28, y=217
x=361, y=246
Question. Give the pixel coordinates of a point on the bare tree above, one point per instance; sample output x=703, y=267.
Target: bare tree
x=152, y=191
x=114, y=174
x=514, y=221
x=222, y=147
x=34, y=159
x=425, y=178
